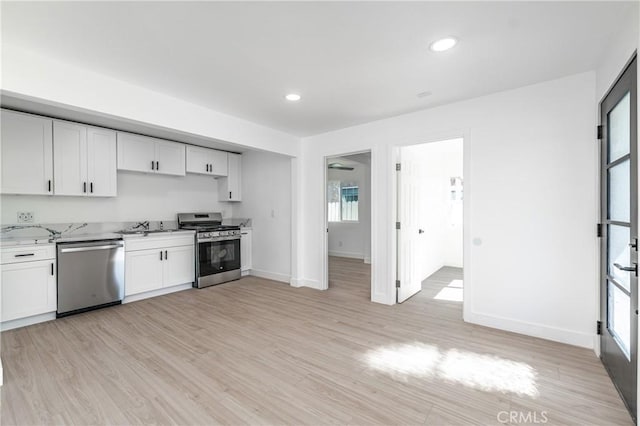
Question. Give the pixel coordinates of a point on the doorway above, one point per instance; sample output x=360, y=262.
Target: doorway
x=430, y=221
x=348, y=219
x=619, y=232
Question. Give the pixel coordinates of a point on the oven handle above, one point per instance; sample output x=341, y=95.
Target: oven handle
x=219, y=239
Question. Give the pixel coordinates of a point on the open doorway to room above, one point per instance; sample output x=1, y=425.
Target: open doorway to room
x=430, y=215
x=348, y=218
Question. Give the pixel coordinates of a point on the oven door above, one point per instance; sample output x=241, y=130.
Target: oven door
x=218, y=261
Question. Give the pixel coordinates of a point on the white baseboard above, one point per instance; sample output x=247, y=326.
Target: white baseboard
x=275, y=276
x=302, y=282
x=155, y=293
x=23, y=322
x=346, y=254
x=570, y=337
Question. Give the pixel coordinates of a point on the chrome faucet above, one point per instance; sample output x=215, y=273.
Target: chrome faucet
x=144, y=225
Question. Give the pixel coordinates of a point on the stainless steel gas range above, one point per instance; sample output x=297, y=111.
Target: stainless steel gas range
x=217, y=248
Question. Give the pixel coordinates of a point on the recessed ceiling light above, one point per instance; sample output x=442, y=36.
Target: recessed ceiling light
x=443, y=44
x=292, y=97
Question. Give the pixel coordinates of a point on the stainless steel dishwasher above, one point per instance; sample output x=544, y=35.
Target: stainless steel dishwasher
x=90, y=275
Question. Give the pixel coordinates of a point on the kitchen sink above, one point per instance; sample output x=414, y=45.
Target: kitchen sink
x=143, y=232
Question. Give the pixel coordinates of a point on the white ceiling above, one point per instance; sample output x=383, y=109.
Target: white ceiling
x=352, y=62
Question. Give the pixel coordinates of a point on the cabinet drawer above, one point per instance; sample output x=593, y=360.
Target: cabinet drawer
x=27, y=253
x=158, y=242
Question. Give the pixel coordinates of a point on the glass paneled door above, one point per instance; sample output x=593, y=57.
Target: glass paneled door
x=619, y=246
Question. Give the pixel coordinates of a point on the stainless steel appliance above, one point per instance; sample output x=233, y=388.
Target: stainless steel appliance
x=90, y=275
x=217, y=248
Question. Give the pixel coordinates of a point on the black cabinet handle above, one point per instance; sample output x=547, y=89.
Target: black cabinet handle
x=229, y=194
x=84, y=187
x=91, y=186
x=160, y=254
x=207, y=167
x=25, y=255
x=153, y=165
x=49, y=185
x=52, y=269
x=166, y=255
x=157, y=165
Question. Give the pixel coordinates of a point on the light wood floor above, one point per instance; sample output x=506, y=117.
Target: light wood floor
x=259, y=352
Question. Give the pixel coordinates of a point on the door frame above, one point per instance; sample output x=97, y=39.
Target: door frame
x=634, y=215
x=324, y=284
x=465, y=135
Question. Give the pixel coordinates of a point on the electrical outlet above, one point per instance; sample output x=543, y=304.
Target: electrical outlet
x=25, y=217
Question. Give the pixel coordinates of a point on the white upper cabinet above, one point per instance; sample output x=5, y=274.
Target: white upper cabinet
x=219, y=163
x=136, y=153
x=229, y=186
x=170, y=158
x=150, y=155
x=27, y=154
x=102, y=167
x=206, y=161
x=84, y=160
x=70, y=158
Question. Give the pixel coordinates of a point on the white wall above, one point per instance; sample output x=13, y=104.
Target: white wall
x=438, y=216
x=352, y=239
x=266, y=195
x=140, y=197
x=74, y=87
x=530, y=162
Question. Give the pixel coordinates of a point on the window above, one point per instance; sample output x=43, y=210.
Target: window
x=342, y=199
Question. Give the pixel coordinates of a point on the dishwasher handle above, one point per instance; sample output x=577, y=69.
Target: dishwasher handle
x=90, y=248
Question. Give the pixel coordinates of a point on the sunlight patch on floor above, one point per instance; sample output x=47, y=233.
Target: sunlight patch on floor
x=452, y=292
x=484, y=372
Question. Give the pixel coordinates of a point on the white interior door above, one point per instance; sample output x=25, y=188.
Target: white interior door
x=410, y=251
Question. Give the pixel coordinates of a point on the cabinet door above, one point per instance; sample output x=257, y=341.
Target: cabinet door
x=199, y=160
x=229, y=187
x=27, y=154
x=245, y=250
x=219, y=160
x=28, y=288
x=102, y=162
x=136, y=153
x=179, y=265
x=143, y=271
x=70, y=158
x=170, y=158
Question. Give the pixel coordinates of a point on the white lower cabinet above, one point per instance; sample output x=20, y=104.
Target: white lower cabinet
x=245, y=250
x=179, y=265
x=143, y=271
x=157, y=262
x=28, y=282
